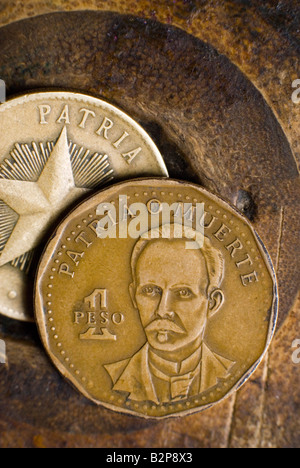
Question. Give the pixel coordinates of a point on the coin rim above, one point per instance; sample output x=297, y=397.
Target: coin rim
x=33, y=95
x=51, y=245
x=60, y=94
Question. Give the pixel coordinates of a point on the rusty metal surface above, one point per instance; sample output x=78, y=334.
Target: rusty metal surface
x=214, y=127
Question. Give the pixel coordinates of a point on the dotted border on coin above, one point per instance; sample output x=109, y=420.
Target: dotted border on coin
x=193, y=402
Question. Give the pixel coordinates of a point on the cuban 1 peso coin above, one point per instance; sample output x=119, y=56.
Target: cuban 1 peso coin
x=55, y=148
x=156, y=298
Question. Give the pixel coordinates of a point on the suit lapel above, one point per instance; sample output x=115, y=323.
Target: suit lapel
x=213, y=368
x=136, y=378
x=133, y=375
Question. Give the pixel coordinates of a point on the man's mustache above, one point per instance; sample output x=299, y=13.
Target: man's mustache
x=165, y=325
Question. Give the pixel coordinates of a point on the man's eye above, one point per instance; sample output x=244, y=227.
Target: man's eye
x=185, y=293
x=151, y=290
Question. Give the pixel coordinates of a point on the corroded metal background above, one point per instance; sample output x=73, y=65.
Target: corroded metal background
x=211, y=82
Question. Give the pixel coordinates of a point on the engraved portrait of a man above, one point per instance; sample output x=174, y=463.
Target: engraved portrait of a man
x=175, y=290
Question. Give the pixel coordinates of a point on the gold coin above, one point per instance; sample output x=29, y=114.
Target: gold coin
x=55, y=148
x=156, y=298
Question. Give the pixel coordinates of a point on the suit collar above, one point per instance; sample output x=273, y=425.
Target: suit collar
x=136, y=378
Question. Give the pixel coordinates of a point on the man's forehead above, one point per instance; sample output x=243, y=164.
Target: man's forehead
x=174, y=248
x=169, y=259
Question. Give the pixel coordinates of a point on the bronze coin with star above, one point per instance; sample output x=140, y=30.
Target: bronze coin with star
x=55, y=148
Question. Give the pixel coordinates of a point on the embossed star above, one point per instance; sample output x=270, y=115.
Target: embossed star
x=39, y=203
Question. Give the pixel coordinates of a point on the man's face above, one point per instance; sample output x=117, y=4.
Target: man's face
x=171, y=285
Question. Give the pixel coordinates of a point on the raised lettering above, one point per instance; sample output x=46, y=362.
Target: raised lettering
x=222, y=232
x=77, y=317
x=104, y=317
x=65, y=269
x=117, y=318
x=120, y=140
x=86, y=114
x=131, y=155
x=105, y=335
x=106, y=125
x=247, y=260
x=207, y=224
x=81, y=238
x=44, y=111
x=91, y=318
x=93, y=226
x=98, y=299
x=65, y=116
x=234, y=247
x=74, y=256
x=250, y=278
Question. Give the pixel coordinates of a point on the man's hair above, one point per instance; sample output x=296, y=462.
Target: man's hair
x=213, y=258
